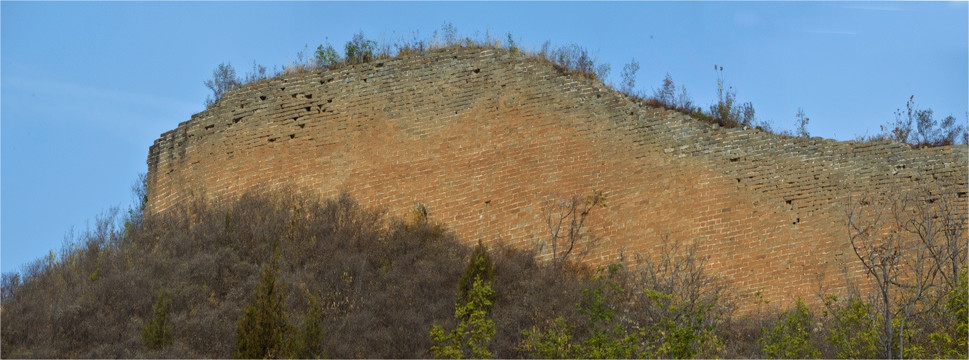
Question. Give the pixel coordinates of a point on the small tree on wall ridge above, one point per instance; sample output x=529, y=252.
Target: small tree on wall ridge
x=918, y=127
x=726, y=109
x=223, y=79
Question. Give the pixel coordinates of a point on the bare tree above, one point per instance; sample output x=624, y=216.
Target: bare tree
x=801, y=121
x=666, y=95
x=565, y=218
x=223, y=79
x=912, y=247
x=680, y=270
x=927, y=131
x=629, y=76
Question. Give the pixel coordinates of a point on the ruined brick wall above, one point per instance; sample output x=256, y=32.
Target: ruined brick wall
x=483, y=136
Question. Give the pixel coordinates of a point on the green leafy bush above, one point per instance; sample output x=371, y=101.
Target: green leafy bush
x=950, y=340
x=853, y=332
x=682, y=331
x=606, y=337
x=790, y=338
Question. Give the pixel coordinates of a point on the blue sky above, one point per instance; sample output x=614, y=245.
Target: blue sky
x=85, y=88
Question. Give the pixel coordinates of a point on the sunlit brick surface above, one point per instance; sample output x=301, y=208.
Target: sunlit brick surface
x=482, y=137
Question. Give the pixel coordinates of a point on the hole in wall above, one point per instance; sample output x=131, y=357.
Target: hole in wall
x=263, y=97
x=282, y=89
x=788, y=201
x=308, y=108
x=736, y=159
x=308, y=96
x=294, y=96
x=329, y=101
x=301, y=125
x=237, y=120
x=272, y=139
x=961, y=194
x=209, y=127
x=476, y=70
x=292, y=136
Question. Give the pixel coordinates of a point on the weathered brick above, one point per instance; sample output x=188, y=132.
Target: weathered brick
x=482, y=137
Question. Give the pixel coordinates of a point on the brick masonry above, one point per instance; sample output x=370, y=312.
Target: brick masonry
x=483, y=136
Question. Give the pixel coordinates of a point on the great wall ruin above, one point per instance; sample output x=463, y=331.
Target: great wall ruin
x=483, y=136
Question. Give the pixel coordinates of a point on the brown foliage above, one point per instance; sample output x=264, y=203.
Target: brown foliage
x=381, y=282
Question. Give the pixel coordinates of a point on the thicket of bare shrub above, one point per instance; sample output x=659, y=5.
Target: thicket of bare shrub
x=354, y=282
x=380, y=282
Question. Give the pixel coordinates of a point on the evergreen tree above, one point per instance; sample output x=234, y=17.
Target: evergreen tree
x=475, y=330
x=470, y=339
x=157, y=331
x=261, y=331
x=307, y=342
x=480, y=267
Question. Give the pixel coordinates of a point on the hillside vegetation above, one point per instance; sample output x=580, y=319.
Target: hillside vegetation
x=375, y=285
x=275, y=275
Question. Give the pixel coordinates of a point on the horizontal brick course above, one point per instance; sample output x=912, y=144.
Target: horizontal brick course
x=483, y=136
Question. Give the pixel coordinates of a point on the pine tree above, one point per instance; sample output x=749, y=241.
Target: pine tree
x=475, y=330
x=261, y=332
x=157, y=331
x=306, y=343
x=479, y=267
